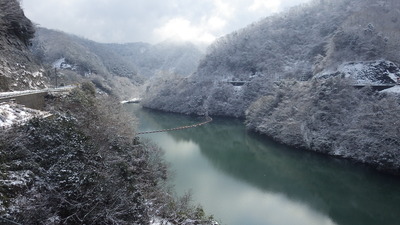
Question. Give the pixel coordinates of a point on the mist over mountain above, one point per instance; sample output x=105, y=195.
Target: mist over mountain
x=171, y=57
x=114, y=68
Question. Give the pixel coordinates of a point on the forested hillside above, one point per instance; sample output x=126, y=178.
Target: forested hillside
x=297, y=44
x=114, y=68
x=332, y=117
x=292, y=77
x=85, y=165
x=18, y=68
x=167, y=57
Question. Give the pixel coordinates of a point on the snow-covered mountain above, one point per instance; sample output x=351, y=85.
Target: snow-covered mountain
x=137, y=61
x=114, y=68
x=299, y=44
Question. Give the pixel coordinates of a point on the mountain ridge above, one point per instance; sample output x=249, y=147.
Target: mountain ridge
x=297, y=44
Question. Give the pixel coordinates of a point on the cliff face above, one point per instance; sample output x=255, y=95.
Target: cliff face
x=18, y=68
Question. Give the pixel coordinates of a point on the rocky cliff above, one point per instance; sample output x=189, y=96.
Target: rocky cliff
x=18, y=68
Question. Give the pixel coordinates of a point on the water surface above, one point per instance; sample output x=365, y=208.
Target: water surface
x=245, y=179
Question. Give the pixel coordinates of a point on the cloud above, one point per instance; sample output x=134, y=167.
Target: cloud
x=203, y=29
x=224, y=8
x=216, y=23
x=150, y=20
x=183, y=30
x=271, y=5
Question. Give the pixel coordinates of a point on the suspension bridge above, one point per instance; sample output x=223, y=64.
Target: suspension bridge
x=208, y=120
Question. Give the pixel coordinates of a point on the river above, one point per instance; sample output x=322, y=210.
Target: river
x=245, y=179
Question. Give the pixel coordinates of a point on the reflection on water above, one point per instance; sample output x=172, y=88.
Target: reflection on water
x=242, y=178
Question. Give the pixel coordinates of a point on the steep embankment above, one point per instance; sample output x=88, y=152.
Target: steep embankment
x=297, y=44
x=18, y=68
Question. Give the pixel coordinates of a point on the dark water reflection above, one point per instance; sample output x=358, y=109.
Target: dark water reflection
x=243, y=178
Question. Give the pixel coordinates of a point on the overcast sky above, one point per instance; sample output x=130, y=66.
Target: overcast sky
x=121, y=21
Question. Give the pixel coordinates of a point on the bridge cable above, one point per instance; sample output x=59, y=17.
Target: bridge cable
x=209, y=119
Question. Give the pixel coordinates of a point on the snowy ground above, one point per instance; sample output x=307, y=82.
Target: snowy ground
x=14, y=114
x=366, y=73
x=18, y=93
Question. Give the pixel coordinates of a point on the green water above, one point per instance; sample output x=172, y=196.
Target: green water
x=245, y=179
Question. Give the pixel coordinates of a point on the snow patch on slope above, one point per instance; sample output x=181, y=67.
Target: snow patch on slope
x=14, y=114
x=62, y=64
x=366, y=73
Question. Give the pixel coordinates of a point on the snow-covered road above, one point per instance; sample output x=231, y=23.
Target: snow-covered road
x=27, y=92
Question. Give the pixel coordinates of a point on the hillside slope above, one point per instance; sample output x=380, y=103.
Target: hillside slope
x=76, y=59
x=18, y=68
x=114, y=68
x=165, y=57
x=297, y=44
